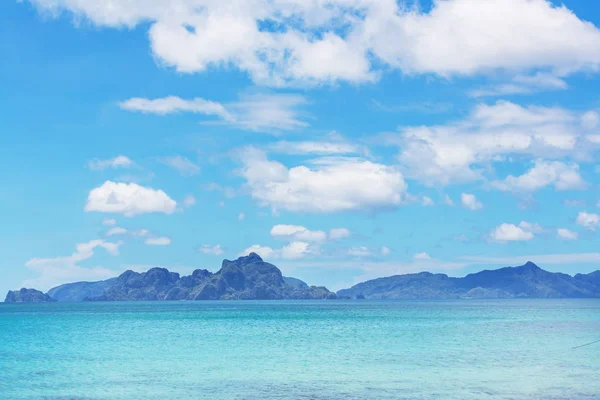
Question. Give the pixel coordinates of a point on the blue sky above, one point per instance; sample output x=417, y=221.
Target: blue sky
x=342, y=141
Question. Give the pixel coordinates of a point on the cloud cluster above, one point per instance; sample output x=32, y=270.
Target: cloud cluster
x=310, y=42
x=462, y=151
x=58, y=270
x=328, y=184
x=544, y=173
x=129, y=199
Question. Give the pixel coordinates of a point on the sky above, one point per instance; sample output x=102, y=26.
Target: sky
x=341, y=140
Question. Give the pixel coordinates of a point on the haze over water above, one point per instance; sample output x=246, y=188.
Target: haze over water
x=511, y=349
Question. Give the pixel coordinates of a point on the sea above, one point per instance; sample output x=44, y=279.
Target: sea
x=309, y=350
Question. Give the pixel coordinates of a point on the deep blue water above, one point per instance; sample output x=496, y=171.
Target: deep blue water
x=500, y=349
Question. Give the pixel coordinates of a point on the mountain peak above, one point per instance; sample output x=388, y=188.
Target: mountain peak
x=250, y=258
x=530, y=265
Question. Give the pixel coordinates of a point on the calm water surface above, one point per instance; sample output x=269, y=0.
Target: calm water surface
x=513, y=349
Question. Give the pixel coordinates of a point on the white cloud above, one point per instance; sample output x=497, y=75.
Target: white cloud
x=158, y=241
x=189, y=201
x=427, y=201
x=174, y=104
x=297, y=232
x=116, y=230
x=59, y=270
x=510, y=232
x=296, y=250
x=421, y=256
x=256, y=112
x=385, y=251
x=129, y=199
x=181, y=164
x=352, y=40
x=268, y=112
x=141, y=233
x=462, y=151
x=470, y=201
x=360, y=251
x=339, y=233
x=327, y=185
x=117, y=162
x=315, y=147
x=522, y=84
x=544, y=173
x=215, y=250
x=109, y=221
x=567, y=234
x=265, y=252
x=241, y=216
x=292, y=251
x=588, y=220
x=448, y=201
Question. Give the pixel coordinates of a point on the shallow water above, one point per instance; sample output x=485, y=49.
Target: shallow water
x=509, y=349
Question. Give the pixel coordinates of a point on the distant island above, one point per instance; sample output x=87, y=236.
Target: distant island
x=526, y=281
x=247, y=278
x=251, y=278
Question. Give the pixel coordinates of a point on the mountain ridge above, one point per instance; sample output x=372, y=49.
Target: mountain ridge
x=251, y=278
x=525, y=281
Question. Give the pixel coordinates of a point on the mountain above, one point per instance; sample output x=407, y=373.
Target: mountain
x=27, y=296
x=528, y=281
x=294, y=282
x=80, y=290
x=246, y=278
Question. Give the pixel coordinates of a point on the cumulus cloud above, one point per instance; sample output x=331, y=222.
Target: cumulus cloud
x=462, y=151
x=544, y=173
x=129, y=199
x=58, y=270
x=326, y=185
x=298, y=233
x=158, y=241
x=567, y=234
x=525, y=231
x=470, y=201
x=385, y=251
x=589, y=221
x=117, y=162
x=302, y=42
x=109, y=221
x=241, y=216
x=215, y=250
x=181, y=164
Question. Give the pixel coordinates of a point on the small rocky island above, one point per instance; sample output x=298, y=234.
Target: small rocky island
x=27, y=296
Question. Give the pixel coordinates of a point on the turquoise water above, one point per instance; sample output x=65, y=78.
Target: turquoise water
x=513, y=349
